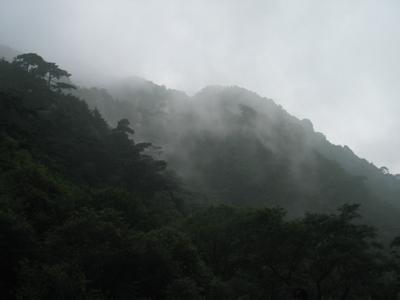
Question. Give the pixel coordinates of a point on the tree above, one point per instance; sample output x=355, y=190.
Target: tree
x=343, y=259
x=31, y=62
x=64, y=86
x=54, y=72
x=35, y=64
x=123, y=126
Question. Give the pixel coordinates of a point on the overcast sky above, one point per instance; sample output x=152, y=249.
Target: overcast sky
x=334, y=62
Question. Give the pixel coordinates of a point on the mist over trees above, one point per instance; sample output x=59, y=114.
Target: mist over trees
x=230, y=145
x=242, y=201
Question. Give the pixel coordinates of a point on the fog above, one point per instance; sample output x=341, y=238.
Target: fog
x=334, y=62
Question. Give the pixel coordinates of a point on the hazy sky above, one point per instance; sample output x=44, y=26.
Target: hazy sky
x=334, y=62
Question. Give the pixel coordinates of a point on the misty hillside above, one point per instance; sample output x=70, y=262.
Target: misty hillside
x=199, y=150
x=90, y=210
x=230, y=145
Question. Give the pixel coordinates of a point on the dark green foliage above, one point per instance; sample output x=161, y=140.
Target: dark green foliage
x=88, y=213
x=39, y=68
x=80, y=203
x=258, y=254
x=32, y=63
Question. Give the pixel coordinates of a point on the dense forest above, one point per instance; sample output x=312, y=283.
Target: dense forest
x=141, y=192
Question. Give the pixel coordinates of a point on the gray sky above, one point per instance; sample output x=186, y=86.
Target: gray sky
x=334, y=62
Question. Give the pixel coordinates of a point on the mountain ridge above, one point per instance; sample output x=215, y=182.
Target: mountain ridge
x=87, y=213
x=218, y=115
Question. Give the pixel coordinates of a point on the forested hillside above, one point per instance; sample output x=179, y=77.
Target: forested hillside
x=232, y=146
x=87, y=213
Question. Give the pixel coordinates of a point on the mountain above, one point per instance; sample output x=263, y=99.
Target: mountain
x=158, y=112
x=88, y=210
x=230, y=145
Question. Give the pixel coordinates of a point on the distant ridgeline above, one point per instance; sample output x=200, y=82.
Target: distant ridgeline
x=89, y=212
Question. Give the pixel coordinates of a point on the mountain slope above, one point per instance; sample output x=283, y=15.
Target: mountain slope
x=80, y=202
x=231, y=145
x=87, y=213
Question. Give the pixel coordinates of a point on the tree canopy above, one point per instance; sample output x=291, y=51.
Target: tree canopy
x=36, y=65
